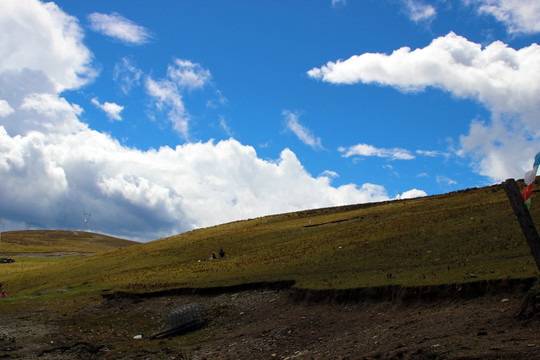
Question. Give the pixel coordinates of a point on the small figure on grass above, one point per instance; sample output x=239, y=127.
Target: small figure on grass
x=221, y=253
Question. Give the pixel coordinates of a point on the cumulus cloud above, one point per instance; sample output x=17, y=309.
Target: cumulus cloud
x=505, y=80
x=370, y=150
x=54, y=168
x=111, y=109
x=303, y=133
x=120, y=28
x=497, y=75
x=45, y=39
x=519, y=16
x=43, y=112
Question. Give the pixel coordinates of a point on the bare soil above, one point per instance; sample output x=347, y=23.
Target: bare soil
x=284, y=323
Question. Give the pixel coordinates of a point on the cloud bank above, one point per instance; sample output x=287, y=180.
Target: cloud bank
x=54, y=168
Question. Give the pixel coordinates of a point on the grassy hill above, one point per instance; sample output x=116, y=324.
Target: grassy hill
x=47, y=241
x=452, y=238
x=34, y=249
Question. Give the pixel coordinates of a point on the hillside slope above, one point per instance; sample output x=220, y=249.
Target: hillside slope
x=459, y=237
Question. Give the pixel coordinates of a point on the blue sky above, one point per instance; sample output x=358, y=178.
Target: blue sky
x=161, y=117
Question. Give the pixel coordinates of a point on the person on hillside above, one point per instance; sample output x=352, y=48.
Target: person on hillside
x=214, y=256
x=3, y=294
x=221, y=253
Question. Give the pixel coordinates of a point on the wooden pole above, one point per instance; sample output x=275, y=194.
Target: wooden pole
x=524, y=218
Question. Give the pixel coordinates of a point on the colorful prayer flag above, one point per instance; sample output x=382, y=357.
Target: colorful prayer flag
x=529, y=178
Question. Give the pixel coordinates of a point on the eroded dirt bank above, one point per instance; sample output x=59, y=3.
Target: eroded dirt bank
x=284, y=323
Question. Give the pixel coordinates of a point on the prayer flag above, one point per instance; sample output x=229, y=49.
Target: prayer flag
x=529, y=178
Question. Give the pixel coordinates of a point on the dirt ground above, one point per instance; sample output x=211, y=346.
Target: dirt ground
x=279, y=324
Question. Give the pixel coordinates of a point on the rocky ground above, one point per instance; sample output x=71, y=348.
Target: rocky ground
x=280, y=324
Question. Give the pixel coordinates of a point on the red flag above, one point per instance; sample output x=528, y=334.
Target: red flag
x=526, y=194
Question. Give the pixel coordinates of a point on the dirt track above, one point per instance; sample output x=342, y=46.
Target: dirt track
x=281, y=324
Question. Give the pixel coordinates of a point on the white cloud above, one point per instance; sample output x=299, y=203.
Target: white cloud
x=303, y=133
x=120, y=28
x=330, y=174
x=45, y=113
x=370, y=150
x=505, y=80
x=127, y=75
x=219, y=99
x=46, y=40
x=188, y=75
x=225, y=127
x=442, y=179
x=501, y=149
x=338, y=2
x=519, y=16
x=411, y=194
x=432, y=153
x=418, y=11
x=167, y=92
x=168, y=96
x=112, y=110
x=5, y=108
x=497, y=75
x=54, y=168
